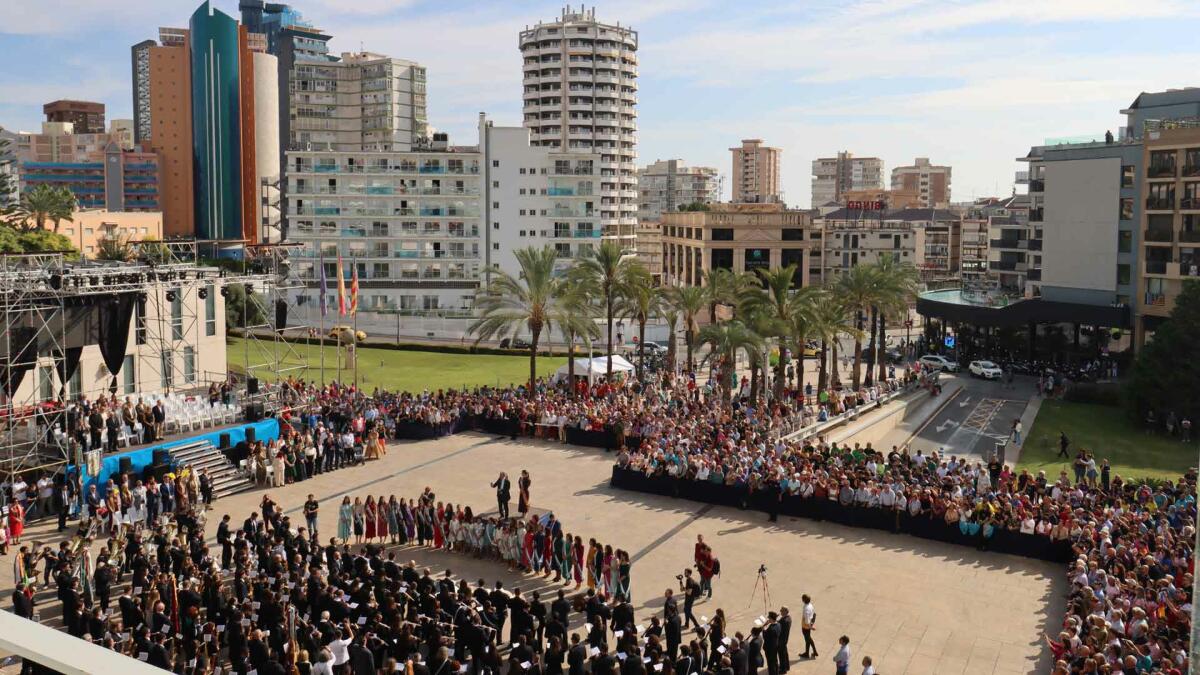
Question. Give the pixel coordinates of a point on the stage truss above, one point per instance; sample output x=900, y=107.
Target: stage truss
x=268, y=355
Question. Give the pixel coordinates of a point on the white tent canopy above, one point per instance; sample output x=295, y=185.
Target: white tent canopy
x=595, y=367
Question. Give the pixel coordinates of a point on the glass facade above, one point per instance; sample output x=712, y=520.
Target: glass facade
x=216, y=137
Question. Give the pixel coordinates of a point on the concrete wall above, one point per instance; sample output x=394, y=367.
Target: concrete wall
x=266, y=135
x=1080, y=228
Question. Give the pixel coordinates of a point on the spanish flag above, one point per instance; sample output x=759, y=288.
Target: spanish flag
x=341, y=275
x=353, y=289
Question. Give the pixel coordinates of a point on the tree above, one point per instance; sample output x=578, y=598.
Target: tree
x=44, y=203
x=829, y=322
x=510, y=303
x=857, y=288
x=725, y=340
x=575, y=315
x=690, y=301
x=40, y=241
x=726, y=287
x=8, y=185
x=780, y=302
x=114, y=247
x=640, y=302
x=243, y=309
x=604, y=270
x=695, y=206
x=1167, y=367
x=897, y=288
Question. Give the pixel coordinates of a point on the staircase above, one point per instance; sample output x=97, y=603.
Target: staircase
x=226, y=477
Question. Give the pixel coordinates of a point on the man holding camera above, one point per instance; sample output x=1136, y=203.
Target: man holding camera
x=691, y=590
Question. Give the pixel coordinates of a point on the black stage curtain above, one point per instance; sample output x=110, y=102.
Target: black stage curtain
x=22, y=355
x=66, y=368
x=281, y=312
x=115, y=315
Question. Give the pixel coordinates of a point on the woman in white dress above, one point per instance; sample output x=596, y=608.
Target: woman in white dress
x=137, y=514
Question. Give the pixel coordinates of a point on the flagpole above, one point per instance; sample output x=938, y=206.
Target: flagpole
x=324, y=304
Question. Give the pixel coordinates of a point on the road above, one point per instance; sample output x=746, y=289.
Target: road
x=976, y=418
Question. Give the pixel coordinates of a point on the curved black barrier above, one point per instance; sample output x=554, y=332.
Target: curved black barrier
x=1002, y=540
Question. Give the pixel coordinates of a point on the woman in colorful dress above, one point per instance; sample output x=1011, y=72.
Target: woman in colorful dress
x=439, y=538
x=345, y=515
x=410, y=521
x=607, y=574
x=523, y=484
x=623, y=569
x=381, y=519
x=394, y=518
x=577, y=568
x=16, y=524
x=359, y=520
x=563, y=544
x=592, y=554
x=371, y=511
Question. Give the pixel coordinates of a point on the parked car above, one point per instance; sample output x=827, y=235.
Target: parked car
x=652, y=348
x=936, y=362
x=894, y=355
x=985, y=369
x=515, y=343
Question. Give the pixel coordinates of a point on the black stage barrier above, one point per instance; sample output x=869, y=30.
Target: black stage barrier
x=592, y=439
x=1002, y=540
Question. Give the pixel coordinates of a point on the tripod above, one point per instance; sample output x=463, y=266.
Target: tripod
x=766, y=591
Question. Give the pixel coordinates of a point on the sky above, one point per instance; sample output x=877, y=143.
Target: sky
x=968, y=83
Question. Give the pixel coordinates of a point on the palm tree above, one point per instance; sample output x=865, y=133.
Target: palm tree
x=857, y=289
x=670, y=315
x=725, y=340
x=44, y=203
x=763, y=326
x=640, y=302
x=722, y=286
x=897, y=288
x=777, y=299
x=510, y=303
x=828, y=322
x=575, y=315
x=690, y=301
x=800, y=328
x=604, y=271
x=114, y=247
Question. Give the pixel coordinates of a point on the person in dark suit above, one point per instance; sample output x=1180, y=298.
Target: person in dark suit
x=223, y=538
x=770, y=643
x=95, y=428
x=158, y=653
x=206, y=487
x=113, y=426
x=160, y=420
x=503, y=493
x=62, y=503
x=738, y=658
x=22, y=604
x=576, y=656
x=362, y=661
x=785, y=631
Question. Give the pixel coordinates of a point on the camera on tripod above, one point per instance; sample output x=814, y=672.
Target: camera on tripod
x=762, y=570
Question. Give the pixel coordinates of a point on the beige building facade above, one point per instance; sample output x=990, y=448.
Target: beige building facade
x=928, y=240
x=1170, y=242
x=832, y=177
x=737, y=237
x=930, y=182
x=756, y=172
x=87, y=228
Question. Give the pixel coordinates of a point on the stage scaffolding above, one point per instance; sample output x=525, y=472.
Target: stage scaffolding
x=39, y=290
x=272, y=287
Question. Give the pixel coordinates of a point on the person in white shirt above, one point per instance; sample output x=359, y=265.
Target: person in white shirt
x=340, y=647
x=45, y=490
x=808, y=619
x=868, y=667
x=841, y=660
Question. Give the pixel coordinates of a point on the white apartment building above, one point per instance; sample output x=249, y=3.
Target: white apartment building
x=669, y=184
x=363, y=102
x=927, y=239
x=424, y=227
x=580, y=95
x=834, y=176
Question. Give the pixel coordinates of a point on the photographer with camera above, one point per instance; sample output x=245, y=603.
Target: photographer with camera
x=690, y=590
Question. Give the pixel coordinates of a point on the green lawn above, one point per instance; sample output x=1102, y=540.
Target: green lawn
x=399, y=370
x=1108, y=432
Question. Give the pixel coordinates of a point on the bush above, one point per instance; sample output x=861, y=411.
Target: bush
x=1098, y=394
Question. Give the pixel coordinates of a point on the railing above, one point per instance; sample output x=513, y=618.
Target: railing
x=1156, y=267
x=1037, y=185
x=1156, y=299
x=1189, y=236
x=1034, y=275
x=1159, y=203
x=1036, y=215
x=1190, y=170
x=1035, y=244
x=1161, y=170
x=1189, y=203
x=402, y=168
x=1008, y=243
x=1158, y=235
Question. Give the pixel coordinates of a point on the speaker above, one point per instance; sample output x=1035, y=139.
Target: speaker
x=224, y=441
x=125, y=465
x=162, y=456
x=254, y=413
x=150, y=470
x=252, y=385
x=251, y=437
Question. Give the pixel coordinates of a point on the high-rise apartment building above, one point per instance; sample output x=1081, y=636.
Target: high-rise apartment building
x=666, y=185
x=930, y=182
x=928, y=239
x=580, y=95
x=834, y=176
x=208, y=97
x=755, y=172
x=94, y=167
x=423, y=227
x=86, y=117
x=8, y=166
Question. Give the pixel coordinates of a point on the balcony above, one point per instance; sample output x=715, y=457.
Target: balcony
x=1165, y=170
x=1191, y=170
x=1189, y=237
x=1158, y=235
x=1007, y=266
x=1158, y=204
x=1156, y=267
x=1037, y=185
x=1035, y=244
x=1034, y=275
x=1189, y=203
x=1036, y=215
x=1008, y=243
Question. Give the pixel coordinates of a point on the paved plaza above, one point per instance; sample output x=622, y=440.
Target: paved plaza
x=915, y=606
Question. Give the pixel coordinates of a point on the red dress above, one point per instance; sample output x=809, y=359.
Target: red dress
x=16, y=520
x=371, y=515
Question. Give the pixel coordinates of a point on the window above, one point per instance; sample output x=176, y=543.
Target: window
x=496, y=184
x=495, y=205
x=495, y=226
x=1126, y=175
x=128, y=376
x=722, y=234
x=1126, y=208
x=189, y=364
x=793, y=234
x=75, y=386
x=495, y=163
x=177, y=314
x=522, y=171
x=164, y=366
x=1122, y=275
x=1124, y=241
x=210, y=311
